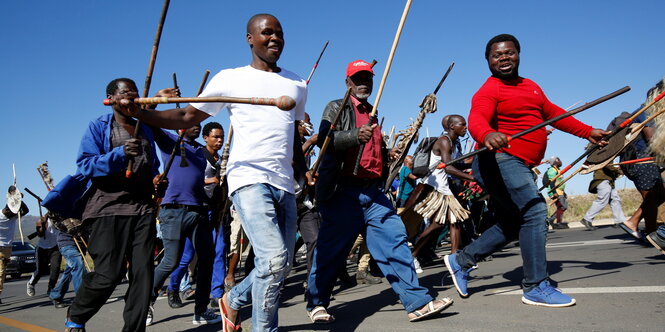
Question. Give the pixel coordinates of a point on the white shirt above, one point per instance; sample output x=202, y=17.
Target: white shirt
x=439, y=178
x=262, y=149
x=50, y=237
x=7, y=229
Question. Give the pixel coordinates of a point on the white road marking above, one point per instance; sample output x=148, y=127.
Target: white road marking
x=587, y=243
x=593, y=290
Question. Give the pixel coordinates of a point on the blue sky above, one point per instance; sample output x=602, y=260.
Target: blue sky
x=59, y=55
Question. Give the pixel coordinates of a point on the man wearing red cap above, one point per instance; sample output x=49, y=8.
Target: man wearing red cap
x=351, y=204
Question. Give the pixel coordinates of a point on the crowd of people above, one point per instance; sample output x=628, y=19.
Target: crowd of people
x=208, y=209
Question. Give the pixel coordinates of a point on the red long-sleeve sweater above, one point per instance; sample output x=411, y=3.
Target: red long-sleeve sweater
x=511, y=106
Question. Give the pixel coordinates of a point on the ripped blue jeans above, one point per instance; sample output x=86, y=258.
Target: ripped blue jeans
x=268, y=216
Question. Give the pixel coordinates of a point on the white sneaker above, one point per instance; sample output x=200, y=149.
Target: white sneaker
x=207, y=317
x=151, y=315
x=416, y=264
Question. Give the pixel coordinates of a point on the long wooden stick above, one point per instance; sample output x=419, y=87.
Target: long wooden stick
x=284, y=103
x=621, y=126
x=333, y=124
x=542, y=124
x=627, y=162
x=148, y=78
x=316, y=64
x=82, y=255
x=372, y=115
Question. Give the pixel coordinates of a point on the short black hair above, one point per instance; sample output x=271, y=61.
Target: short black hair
x=210, y=126
x=453, y=117
x=251, y=20
x=112, y=87
x=504, y=37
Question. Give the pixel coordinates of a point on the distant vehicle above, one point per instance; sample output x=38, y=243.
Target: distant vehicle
x=22, y=259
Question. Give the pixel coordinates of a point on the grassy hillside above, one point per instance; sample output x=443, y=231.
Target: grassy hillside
x=579, y=204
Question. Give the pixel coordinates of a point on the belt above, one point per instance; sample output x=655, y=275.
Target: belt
x=193, y=208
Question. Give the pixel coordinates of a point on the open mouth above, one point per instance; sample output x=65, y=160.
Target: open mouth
x=506, y=67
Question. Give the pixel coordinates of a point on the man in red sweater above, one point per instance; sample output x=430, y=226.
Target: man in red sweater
x=505, y=105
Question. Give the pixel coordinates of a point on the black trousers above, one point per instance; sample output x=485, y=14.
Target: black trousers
x=46, y=257
x=309, y=223
x=116, y=241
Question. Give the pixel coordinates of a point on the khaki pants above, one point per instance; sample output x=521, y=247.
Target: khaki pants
x=5, y=253
x=363, y=254
x=238, y=239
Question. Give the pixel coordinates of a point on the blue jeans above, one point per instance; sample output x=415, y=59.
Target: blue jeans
x=521, y=214
x=73, y=272
x=351, y=211
x=176, y=225
x=178, y=281
x=268, y=216
x=219, y=264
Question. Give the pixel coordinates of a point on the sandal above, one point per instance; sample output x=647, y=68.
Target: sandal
x=319, y=315
x=226, y=322
x=636, y=234
x=430, y=309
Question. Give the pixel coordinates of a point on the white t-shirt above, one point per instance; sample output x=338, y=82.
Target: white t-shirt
x=439, y=178
x=262, y=148
x=7, y=228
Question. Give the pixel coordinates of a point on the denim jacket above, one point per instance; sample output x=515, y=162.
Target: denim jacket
x=95, y=158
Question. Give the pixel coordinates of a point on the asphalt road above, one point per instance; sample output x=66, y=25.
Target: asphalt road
x=619, y=285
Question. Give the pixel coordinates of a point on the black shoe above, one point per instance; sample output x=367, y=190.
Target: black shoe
x=588, y=225
x=345, y=278
x=174, y=299
x=363, y=277
x=59, y=304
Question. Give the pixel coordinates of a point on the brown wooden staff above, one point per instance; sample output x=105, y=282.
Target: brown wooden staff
x=148, y=78
x=284, y=103
x=372, y=115
x=616, y=131
x=225, y=156
x=333, y=124
x=540, y=125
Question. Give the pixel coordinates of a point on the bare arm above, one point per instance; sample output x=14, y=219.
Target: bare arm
x=177, y=118
x=442, y=147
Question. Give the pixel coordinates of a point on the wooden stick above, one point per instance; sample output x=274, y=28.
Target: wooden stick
x=372, y=115
x=316, y=64
x=82, y=255
x=543, y=124
x=333, y=125
x=225, y=156
x=284, y=103
x=616, y=130
x=626, y=162
x=148, y=78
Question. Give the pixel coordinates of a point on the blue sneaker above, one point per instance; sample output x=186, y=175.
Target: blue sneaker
x=459, y=276
x=73, y=327
x=547, y=296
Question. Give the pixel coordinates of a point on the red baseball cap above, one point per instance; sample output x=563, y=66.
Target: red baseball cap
x=357, y=66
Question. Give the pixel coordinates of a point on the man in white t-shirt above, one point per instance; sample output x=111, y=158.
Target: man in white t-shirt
x=260, y=172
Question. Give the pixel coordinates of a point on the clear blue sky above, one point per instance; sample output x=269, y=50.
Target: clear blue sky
x=59, y=55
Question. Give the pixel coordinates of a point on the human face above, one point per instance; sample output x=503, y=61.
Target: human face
x=458, y=127
x=193, y=132
x=266, y=39
x=214, y=139
x=361, y=84
x=305, y=127
x=504, y=60
x=124, y=90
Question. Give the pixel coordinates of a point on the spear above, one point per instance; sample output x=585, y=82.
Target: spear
x=429, y=100
x=148, y=78
x=542, y=124
x=621, y=126
x=372, y=115
x=635, y=161
x=316, y=64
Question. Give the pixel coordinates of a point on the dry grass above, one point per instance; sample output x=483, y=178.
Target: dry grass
x=579, y=204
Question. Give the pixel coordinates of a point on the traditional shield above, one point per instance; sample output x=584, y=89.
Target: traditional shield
x=14, y=199
x=627, y=137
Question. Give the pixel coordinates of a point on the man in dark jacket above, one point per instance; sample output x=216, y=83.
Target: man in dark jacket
x=354, y=203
